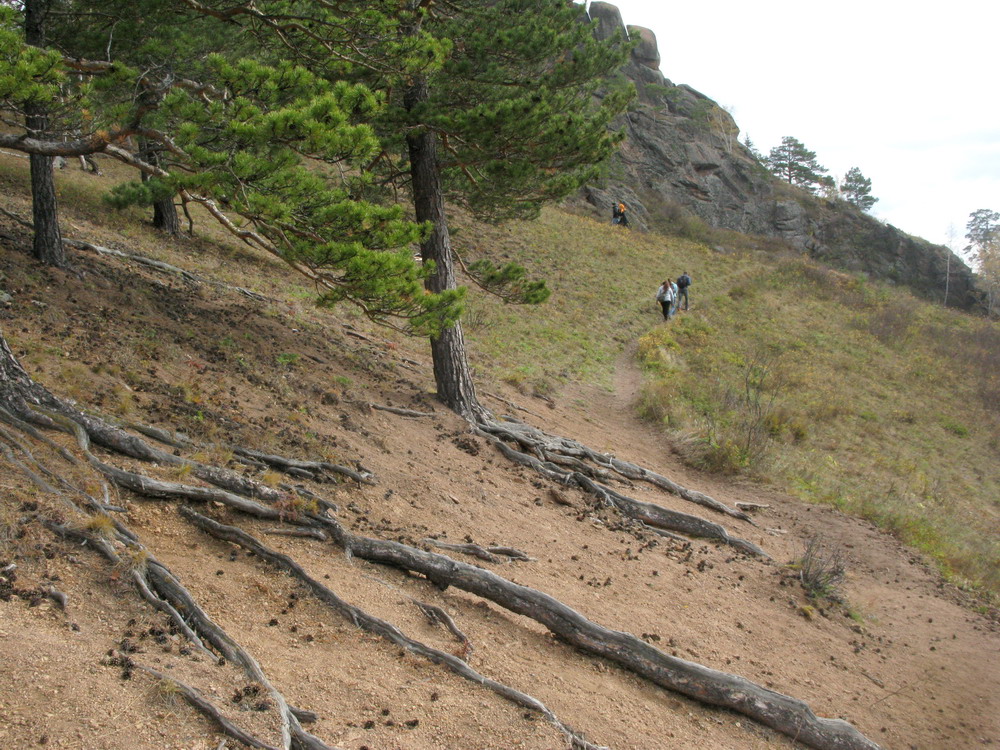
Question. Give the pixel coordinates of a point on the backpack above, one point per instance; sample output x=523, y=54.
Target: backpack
x=684, y=281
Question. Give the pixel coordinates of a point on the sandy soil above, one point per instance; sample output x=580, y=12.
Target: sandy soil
x=915, y=667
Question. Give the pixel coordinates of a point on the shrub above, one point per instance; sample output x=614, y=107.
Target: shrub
x=822, y=571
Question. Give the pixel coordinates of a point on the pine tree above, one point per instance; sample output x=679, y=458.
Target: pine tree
x=237, y=143
x=47, y=243
x=856, y=189
x=506, y=124
x=795, y=164
x=751, y=147
x=490, y=105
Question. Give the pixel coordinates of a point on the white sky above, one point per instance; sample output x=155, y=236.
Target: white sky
x=909, y=92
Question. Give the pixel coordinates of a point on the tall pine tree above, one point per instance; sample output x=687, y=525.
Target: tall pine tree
x=795, y=164
x=494, y=105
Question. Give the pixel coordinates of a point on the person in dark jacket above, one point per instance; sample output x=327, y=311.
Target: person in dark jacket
x=622, y=218
x=683, y=282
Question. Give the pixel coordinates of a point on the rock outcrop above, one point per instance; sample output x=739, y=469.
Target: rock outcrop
x=681, y=156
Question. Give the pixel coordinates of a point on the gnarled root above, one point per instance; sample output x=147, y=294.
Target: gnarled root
x=373, y=624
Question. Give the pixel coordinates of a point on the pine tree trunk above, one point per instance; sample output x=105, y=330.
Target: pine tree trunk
x=164, y=211
x=47, y=246
x=451, y=366
x=165, y=216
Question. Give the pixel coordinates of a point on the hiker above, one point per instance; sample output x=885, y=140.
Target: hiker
x=683, y=282
x=665, y=296
x=622, y=218
x=616, y=216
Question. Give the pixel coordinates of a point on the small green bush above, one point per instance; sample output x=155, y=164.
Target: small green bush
x=955, y=428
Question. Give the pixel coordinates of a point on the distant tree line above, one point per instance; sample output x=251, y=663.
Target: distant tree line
x=983, y=233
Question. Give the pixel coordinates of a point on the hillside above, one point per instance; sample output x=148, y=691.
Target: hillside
x=907, y=658
x=682, y=163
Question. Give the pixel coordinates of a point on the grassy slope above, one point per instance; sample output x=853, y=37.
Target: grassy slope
x=872, y=400
x=887, y=405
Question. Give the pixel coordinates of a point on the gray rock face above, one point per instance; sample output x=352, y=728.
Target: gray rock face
x=681, y=154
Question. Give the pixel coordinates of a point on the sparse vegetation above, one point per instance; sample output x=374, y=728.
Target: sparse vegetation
x=822, y=570
x=876, y=390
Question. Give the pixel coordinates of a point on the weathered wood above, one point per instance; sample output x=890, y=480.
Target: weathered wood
x=534, y=439
x=660, y=517
x=372, y=624
x=654, y=516
x=494, y=555
x=437, y=616
x=205, y=706
x=784, y=713
x=400, y=412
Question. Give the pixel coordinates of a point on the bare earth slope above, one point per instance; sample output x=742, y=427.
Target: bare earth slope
x=915, y=668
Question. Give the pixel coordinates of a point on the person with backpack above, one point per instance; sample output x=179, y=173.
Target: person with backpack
x=683, y=282
x=616, y=216
x=622, y=218
x=665, y=296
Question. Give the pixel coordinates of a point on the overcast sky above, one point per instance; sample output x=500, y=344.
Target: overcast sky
x=908, y=92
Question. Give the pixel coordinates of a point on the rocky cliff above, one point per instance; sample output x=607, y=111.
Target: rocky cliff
x=681, y=157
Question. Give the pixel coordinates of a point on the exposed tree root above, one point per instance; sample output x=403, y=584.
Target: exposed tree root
x=205, y=706
x=437, y=616
x=316, y=471
x=28, y=402
x=494, y=555
x=361, y=619
x=173, y=598
x=656, y=517
x=400, y=412
x=781, y=712
x=557, y=450
x=162, y=267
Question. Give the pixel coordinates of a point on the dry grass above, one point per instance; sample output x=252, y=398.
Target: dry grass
x=889, y=409
x=876, y=401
